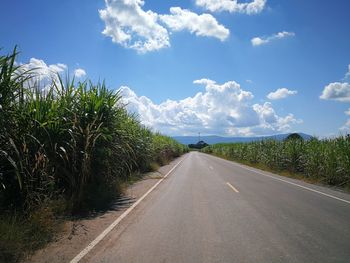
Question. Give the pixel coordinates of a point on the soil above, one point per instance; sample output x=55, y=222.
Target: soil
x=78, y=233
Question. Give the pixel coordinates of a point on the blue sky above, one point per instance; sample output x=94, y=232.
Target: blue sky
x=301, y=47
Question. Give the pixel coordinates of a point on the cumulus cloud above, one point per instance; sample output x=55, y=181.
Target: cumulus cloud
x=336, y=91
x=201, y=25
x=346, y=127
x=144, y=31
x=41, y=69
x=339, y=91
x=43, y=75
x=79, y=73
x=233, y=6
x=132, y=27
x=224, y=109
x=271, y=121
x=347, y=74
x=258, y=41
x=281, y=94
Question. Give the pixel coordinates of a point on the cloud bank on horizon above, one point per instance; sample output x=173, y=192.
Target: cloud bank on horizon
x=224, y=109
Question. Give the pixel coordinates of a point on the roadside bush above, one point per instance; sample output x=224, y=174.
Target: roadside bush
x=326, y=160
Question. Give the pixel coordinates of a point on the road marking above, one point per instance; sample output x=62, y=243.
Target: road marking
x=298, y=185
x=285, y=181
x=118, y=220
x=211, y=167
x=232, y=187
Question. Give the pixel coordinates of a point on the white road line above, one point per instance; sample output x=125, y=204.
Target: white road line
x=232, y=187
x=298, y=185
x=118, y=220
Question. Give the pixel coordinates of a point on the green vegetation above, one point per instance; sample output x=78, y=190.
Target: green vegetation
x=64, y=149
x=326, y=161
x=199, y=145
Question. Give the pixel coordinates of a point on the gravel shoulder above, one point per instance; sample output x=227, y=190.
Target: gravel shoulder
x=77, y=234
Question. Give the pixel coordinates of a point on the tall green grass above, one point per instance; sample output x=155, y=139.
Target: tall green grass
x=70, y=141
x=326, y=161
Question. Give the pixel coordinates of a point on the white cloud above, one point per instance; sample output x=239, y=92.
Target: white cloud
x=201, y=25
x=281, y=94
x=347, y=74
x=79, y=73
x=132, y=27
x=43, y=74
x=271, y=121
x=346, y=127
x=258, y=41
x=144, y=31
x=224, y=109
x=233, y=6
x=41, y=69
x=337, y=91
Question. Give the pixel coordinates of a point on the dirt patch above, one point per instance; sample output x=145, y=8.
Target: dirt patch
x=78, y=233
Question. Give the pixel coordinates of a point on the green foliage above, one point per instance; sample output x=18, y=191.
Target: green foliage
x=70, y=141
x=294, y=136
x=166, y=149
x=199, y=145
x=325, y=160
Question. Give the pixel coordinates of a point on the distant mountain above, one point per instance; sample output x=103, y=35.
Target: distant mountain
x=213, y=139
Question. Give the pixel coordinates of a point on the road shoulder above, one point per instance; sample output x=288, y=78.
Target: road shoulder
x=322, y=189
x=77, y=234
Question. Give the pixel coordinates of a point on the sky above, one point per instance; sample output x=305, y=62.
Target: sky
x=223, y=67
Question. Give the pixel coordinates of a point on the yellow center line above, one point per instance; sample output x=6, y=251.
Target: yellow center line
x=232, y=187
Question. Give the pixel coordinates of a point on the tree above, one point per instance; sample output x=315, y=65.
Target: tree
x=294, y=136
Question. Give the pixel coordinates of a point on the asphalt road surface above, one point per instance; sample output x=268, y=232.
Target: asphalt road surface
x=212, y=210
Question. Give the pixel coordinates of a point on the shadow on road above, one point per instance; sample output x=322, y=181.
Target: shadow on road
x=120, y=203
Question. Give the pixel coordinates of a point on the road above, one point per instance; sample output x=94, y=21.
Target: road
x=212, y=210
